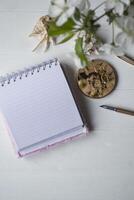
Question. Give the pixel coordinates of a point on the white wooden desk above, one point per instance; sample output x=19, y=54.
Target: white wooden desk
x=99, y=167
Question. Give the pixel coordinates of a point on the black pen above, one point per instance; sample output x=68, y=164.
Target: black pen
x=117, y=109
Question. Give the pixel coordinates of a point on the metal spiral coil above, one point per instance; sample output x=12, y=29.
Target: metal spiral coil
x=7, y=79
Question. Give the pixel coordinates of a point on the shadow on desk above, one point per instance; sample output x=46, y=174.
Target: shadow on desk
x=71, y=75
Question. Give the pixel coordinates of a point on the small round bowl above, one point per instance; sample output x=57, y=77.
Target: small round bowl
x=97, y=80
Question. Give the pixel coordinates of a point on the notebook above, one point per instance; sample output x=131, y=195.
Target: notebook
x=38, y=108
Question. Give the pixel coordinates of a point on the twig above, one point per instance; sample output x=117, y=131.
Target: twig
x=100, y=17
x=103, y=15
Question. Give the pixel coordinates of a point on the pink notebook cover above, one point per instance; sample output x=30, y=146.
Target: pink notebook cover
x=38, y=108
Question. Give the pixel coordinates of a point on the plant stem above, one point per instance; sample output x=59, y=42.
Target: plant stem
x=113, y=35
x=99, y=5
x=103, y=15
x=100, y=17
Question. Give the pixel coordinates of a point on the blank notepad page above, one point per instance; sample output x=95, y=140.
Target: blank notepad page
x=39, y=106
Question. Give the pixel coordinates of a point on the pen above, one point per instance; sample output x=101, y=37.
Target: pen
x=116, y=109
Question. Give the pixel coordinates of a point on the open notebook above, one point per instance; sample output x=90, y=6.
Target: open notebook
x=38, y=108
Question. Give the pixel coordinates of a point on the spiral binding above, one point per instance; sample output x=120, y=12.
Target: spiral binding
x=7, y=79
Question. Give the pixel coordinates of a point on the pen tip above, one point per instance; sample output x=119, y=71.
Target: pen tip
x=102, y=106
x=108, y=107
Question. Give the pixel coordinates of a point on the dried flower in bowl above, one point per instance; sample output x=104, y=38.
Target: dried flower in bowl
x=97, y=80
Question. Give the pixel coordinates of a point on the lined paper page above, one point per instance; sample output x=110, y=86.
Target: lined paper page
x=39, y=106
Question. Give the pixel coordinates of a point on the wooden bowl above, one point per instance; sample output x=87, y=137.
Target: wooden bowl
x=97, y=80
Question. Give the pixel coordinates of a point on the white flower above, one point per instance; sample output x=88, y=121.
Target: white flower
x=82, y=34
x=125, y=38
x=125, y=41
x=126, y=23
x=116, y=5
x=82, y=5
x=91, y=47
x=131, y=11
x=88, y=47
x=110, y=49
x=90, y=44
x=65, y=15
x=56, y=7
x=64, y=9
x=78, y=25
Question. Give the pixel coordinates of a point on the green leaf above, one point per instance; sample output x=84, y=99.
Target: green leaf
x=77, y=14
x=89, y=24
x=80, y=52
x=68, y=37
x=55, y=30
x=91, y=14
x=111, y=16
